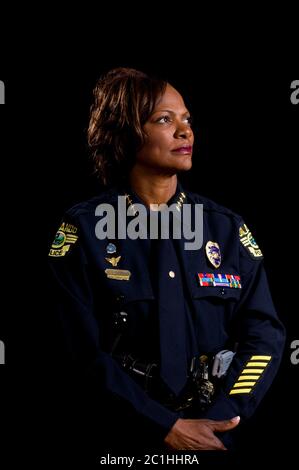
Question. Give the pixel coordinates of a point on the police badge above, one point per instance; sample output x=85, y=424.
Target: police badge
x=213, y=253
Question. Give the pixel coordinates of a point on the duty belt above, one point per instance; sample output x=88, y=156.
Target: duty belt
x=204, y=373
x=197, y=392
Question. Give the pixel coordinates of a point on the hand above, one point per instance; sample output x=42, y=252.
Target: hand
x=198, y=434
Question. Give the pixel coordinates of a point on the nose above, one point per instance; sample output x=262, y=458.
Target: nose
x=183, y=131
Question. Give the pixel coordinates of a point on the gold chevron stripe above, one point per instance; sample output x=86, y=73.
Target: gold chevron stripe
x=257, y=364
x=261, y=358
x=244, y=384
x=248, y=377
x=252, y=371
x=240, y=390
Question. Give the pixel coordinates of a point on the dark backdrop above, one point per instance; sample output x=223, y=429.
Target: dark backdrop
x=247, y=143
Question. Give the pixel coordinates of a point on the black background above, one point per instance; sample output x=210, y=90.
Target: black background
x=246, y=131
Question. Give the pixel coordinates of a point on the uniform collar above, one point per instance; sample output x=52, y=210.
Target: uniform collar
x=179, y=198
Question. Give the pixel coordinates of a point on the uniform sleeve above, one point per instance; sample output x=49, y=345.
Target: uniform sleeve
x=260, y=338
x=72, y=299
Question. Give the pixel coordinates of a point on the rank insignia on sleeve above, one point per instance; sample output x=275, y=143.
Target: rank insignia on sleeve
x=64, y=239
x=249, y=242
x=251, y=374
x=213, y=253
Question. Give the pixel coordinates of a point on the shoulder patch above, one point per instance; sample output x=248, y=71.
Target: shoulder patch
x=249, y=242
x=65, y=237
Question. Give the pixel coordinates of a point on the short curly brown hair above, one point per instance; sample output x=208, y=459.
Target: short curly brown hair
x=124, y=99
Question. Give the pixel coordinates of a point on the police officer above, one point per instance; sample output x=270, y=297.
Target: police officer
x=185, y=343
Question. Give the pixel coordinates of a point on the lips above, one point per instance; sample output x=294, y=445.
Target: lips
x=185, y=150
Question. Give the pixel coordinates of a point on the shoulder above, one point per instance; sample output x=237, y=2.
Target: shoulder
x=227, y=224
x=213, y=209
x=77, y=222
x=87, y=208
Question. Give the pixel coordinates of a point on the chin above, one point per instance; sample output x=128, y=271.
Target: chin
x=184, y=166
x=178, y=166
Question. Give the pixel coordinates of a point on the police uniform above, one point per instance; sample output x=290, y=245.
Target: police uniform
x=101, y=283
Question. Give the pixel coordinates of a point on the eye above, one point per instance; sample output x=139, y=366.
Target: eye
x=188, y=120
x=164, y=119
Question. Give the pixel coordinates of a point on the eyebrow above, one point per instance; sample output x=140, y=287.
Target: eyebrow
x=169, y=111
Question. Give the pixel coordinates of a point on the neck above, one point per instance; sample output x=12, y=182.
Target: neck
x=153, y=188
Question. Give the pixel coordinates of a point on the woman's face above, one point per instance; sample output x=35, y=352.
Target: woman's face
x=168, y=147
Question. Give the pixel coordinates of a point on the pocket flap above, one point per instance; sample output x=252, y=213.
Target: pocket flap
x=219, y=292
x=211, y=287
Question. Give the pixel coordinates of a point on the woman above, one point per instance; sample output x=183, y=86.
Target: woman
x=180, y=344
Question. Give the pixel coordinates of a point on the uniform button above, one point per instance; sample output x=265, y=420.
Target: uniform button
x=171, y=274
x=120, y=298
x=222, y=291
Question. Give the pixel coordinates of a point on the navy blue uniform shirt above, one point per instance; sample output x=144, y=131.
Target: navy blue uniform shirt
x=239, y=311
